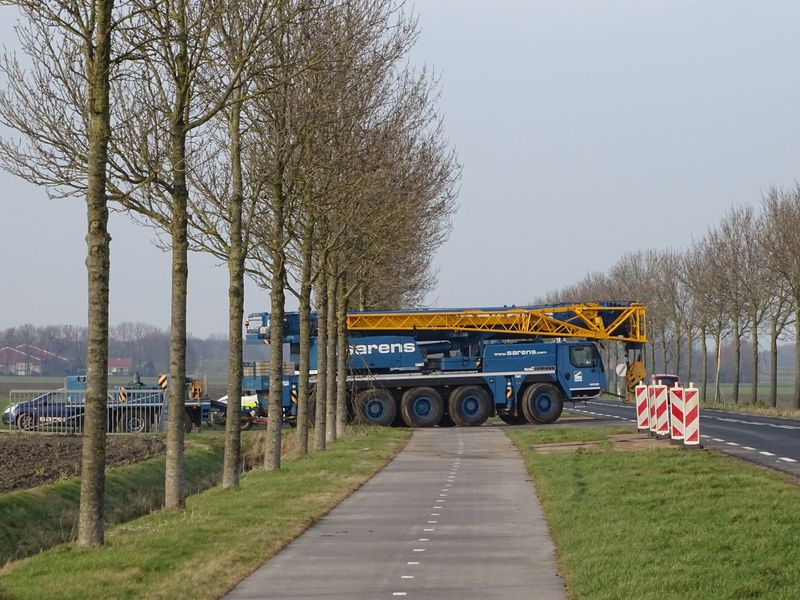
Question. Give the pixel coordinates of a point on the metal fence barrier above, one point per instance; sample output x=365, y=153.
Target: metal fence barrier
x=63, y=411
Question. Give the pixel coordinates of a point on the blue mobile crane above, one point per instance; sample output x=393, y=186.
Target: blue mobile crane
x=460, y=366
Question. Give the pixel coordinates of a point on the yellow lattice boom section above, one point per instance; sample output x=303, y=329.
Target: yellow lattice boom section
x=623, y=322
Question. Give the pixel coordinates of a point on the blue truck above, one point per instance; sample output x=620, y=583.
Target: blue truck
x=135, y=407
x=460, y=366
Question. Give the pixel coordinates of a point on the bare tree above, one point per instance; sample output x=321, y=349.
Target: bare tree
x=782, y=247
x=70, y=42
x=224, y=208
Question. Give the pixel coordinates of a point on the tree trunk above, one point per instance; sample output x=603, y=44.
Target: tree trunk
x=330, y=382
x=272, y=452
x=341, y=360
x=704, y=346
x=303, y=412
x=690, y=356
x=362, y=297
x=174, y=485
x=320, y=386
x=796, y=399
x=718, y=350
x=754, y=393
x=232, y=466
x=93, y=447
x=737, y=359
x=773, y=364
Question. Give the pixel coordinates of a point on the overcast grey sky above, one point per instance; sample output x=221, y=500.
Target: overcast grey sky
x=585, y=129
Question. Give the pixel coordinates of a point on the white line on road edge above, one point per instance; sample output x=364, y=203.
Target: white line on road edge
x=398, y=593
x=429, y=529
x=748, y=448
x=717, y=440
x=413, y=562
x=732, y=444
x=406, y=577
x=419, y=549
x=766, y=453
x=787, y=459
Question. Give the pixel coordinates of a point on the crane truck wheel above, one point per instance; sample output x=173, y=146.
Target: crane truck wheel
x=542, y=403
x=421, y=407
x=375, y=407
x=469, y=405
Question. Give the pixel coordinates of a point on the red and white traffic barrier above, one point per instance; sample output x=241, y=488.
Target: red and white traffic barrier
x=642, y=408
x=676, y=413
x=662, y=414
x=691, y=423
x=651, y=408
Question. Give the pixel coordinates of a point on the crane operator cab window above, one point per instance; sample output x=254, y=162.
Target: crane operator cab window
x=583, y=357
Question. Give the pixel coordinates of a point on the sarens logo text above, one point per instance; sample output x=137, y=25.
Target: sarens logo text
x=361, y=349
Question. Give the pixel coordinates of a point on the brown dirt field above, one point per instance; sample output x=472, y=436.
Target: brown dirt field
x=32, y=460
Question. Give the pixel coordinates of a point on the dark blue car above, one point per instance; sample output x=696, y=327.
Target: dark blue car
x=49, y=409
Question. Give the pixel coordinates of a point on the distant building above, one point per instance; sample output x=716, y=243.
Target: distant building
x=120, y=366
x=17, y=362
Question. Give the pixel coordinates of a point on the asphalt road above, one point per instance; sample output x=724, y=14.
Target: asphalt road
x=455, y=515
x=768, y=441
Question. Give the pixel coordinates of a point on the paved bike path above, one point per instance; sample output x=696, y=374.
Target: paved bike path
x=454, y=515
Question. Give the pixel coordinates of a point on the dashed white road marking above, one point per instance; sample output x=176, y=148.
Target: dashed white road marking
x=717, y=440
x=424, y=540
x=398, y=593
x=732, y=444
x=406, y=577
x=787, y=459
x=429, y=529
x=413, y=562
x=419, y=549
x=766, y=453
x=748, y=448
x=435, y=514
x=432, y=522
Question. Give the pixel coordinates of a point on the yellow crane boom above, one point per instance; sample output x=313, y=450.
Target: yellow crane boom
x=619, y=321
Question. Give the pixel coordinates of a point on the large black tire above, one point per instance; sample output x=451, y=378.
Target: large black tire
x=188, y=424
x=133, y=420
x=245, y=421
x=512, y=419
x=375, y=406
x=469, y=405
x=421, y=407
x=542, y=403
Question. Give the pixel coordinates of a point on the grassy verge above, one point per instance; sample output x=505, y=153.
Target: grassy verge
x=220, y=537
x=667, y=523
x=41, y=517
x=757, y=409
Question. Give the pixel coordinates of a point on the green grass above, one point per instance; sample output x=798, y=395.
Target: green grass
x=41, y=517
x=667, y=523
x=220, y=538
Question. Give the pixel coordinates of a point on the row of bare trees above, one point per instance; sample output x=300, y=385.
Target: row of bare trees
x=735, y=286
x=289, y=138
